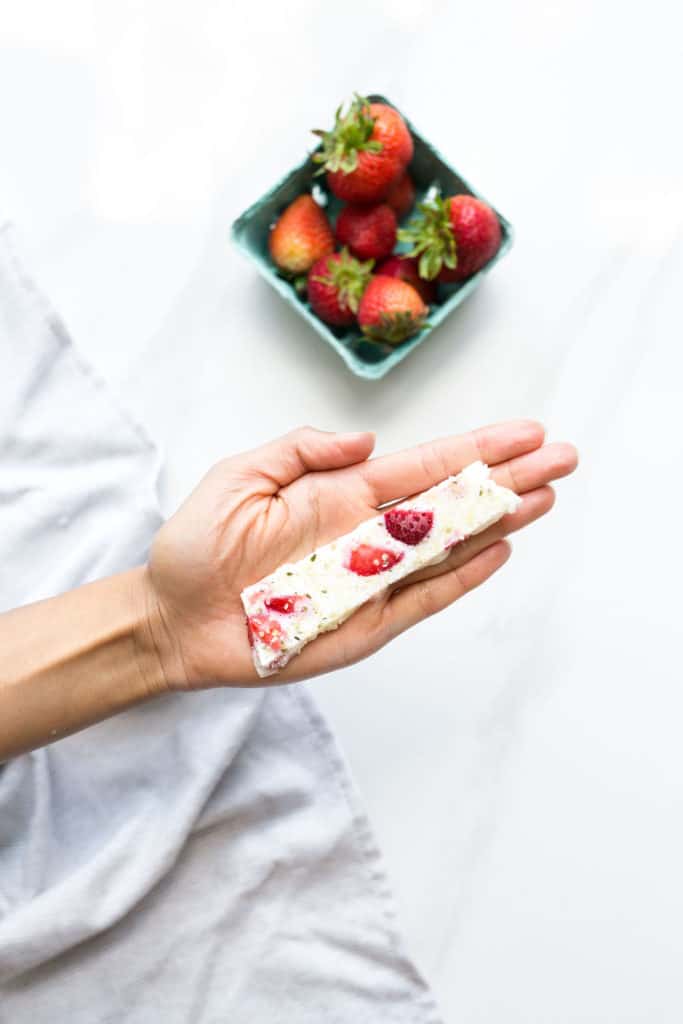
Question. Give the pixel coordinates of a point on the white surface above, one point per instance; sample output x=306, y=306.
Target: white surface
x=528, y=799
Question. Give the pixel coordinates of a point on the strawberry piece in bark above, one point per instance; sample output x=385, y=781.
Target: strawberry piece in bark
x=366, y=560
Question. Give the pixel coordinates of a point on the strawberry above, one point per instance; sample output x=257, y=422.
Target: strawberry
x=300, y=236
x=392, y=132
x=369, y=184
x=405, y=268
x=366, y=560
x=267, y=631
x=476, y=230
x=335, y=287
x=286, y=605
x=409, y=525
x=369, y=231
x=365, y=152
x=401, y=195
x=453, y=238
x=391, y=310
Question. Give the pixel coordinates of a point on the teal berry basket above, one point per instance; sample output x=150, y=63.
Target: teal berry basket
x=363, y=357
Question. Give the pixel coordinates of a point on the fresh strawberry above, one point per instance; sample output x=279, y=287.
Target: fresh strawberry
x=391, y=310
x=401, y=195
x=365, y=152
x=300, y=236
x=453, y=238
x=369, y=231
x=285, y=605
x=476, y=229
x=265, y=630
x=335, y=287
x=405, y=268
x=369, y=183
x=409, y=525
x=366, y=560
x=392, y=132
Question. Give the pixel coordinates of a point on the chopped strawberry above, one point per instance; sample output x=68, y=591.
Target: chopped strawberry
x=286, y=605
x=366, y=560
x=409, y=525
x=267, y=631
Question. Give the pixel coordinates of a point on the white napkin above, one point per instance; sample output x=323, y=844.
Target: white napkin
x=201, y=858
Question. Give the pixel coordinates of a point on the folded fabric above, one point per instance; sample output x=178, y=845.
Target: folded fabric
x=201, y=858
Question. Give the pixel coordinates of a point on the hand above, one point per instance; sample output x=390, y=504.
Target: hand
x=253, y=511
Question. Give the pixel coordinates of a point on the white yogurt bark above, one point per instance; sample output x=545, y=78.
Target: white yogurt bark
x=301, y=600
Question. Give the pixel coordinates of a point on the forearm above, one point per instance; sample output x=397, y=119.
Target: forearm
x=75, y=659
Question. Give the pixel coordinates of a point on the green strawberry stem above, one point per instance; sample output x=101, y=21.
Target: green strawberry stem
x=431, y=235
x=395, y=327
x=349, y=277
x=349, y=137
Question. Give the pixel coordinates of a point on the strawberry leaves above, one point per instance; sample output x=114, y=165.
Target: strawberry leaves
x=431, y=235
x=350, y=136
x=395, y=327
x=349, y=277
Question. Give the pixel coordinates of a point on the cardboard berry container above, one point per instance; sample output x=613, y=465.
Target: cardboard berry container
x=365, y=358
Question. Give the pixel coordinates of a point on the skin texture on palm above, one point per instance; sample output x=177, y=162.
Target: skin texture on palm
x=275, y=504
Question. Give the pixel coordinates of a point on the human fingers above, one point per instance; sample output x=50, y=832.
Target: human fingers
x=534, y=505
x=395, y=476
x=304, y=450
x=419, y=600
x=526, y=472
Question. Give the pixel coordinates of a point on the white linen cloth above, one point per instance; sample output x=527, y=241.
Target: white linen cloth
x=202, y=858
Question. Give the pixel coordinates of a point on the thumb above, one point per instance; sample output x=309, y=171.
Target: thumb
x=306, y=450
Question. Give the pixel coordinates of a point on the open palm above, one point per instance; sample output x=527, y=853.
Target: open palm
x=253, y=511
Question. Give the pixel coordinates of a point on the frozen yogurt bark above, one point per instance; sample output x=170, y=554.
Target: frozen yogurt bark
x=300, y=600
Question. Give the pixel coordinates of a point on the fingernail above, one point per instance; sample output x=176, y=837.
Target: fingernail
x=356, y=435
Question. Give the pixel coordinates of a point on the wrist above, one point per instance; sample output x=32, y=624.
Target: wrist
x=157, y=652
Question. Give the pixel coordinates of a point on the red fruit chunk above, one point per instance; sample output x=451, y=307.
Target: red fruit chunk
x=368, y=231
x=285, y=605
x=265, y=630
x=409, y=525
x=366, y=560
x=405, y=268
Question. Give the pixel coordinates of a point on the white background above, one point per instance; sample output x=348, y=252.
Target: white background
x=520, y=755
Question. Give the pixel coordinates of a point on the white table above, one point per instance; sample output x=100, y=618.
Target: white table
x=528, y=793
